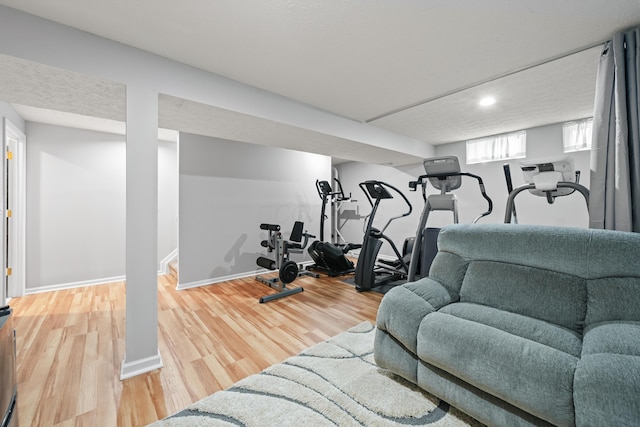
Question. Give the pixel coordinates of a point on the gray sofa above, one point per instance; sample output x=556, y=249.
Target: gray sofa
x=523, y=325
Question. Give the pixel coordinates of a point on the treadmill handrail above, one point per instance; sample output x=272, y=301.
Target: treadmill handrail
x=561, y=184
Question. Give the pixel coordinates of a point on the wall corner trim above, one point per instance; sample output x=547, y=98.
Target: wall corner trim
x=164, y=264
x=141, y=366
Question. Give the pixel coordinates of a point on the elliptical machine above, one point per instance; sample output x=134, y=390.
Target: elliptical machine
x=444, y=174
x=372, y=272
x=288, y=270
x=330, y=258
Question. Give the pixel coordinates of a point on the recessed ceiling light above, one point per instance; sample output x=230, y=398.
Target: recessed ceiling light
x=489, y=100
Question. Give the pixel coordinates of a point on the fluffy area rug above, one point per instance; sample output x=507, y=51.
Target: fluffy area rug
x=334, y=383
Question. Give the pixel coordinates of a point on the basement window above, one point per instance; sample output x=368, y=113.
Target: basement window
x=498, y=147
x=576, y=135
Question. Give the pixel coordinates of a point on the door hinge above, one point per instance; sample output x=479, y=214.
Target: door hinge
x=8, y=271
x=9, y=155
x=9, y=213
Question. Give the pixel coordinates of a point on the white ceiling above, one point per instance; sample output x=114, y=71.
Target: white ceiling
x=414, y=67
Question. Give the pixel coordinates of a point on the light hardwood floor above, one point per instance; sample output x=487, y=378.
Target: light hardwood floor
x=70, y=345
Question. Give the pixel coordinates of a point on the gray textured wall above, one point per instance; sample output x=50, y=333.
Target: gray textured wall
x=227, y=189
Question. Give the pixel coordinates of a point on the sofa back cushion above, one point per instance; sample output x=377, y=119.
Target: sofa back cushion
x=546, y=295
x=614, y=277
x=561, y=249
x=544, y=272
x=613, y=299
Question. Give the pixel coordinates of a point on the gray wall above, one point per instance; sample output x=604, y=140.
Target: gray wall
x=76, y=205
x=543, y=141
x=76, y=190
x=7, y=111
x=167, y=198
x=227, y=189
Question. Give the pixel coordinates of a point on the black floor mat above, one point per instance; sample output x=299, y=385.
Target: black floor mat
x=382, y=289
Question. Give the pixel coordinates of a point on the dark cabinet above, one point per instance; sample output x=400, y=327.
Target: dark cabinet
x=8, y=382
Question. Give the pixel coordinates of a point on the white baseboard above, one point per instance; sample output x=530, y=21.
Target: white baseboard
x=141, y=366
x=180, y=286
x=164, y=264
x=72, y=285
x=213, y=281
x=205, y=282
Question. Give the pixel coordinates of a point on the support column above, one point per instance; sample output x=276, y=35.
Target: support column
x=141, y=342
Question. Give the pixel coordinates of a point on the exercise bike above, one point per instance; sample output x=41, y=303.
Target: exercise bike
x=370, y=271
x=288, y=270
x=330, y=258
x=444, y=174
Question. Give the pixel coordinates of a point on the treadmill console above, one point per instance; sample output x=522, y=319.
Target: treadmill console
x=440, y=170
x=546, y=173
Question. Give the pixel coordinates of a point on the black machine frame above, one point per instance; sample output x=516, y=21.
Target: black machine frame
x=372, y=272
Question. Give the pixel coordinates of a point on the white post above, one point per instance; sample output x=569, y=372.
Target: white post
x=141, y=342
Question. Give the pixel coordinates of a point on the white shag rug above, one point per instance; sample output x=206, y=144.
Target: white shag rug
x=334, y=383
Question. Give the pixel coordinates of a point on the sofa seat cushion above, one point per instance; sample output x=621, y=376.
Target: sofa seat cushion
x=403, y=307
x=529, y=375
x=390, y=354
x=616, y=337
x=542, y=332
x=607, y=380
x=606, y=390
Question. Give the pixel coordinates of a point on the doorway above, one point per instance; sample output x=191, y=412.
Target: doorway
x=14, y=207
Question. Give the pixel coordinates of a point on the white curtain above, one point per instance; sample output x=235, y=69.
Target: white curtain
x=614, y=201
x=577, y=136
x=507, y=146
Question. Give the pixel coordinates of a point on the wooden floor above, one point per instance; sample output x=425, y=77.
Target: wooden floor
x=70, y=345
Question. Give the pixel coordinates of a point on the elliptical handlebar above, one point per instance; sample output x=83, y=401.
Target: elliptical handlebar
x=486, y=197
x=379, y=188
x=326, y=191
x=507, y=176
x=340, y=191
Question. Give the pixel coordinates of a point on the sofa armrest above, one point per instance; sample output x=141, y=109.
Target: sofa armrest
x=403, y=308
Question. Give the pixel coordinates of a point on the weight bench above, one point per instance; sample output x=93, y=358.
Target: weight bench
x=288, y=270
